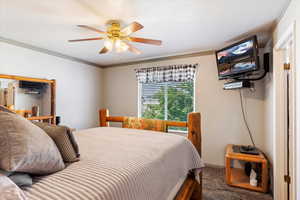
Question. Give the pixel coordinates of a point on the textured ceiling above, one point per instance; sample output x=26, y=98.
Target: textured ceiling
x=184, y=26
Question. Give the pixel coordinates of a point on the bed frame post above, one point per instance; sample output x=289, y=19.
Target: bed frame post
x=194, y=130
x=53, y=101
x=194, y=135
x=103, y=114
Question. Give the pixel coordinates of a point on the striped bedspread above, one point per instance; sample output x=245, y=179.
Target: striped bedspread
x=120, y=164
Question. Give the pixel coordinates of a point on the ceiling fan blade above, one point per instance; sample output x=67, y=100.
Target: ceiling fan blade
x=91, y=28
x=132, y=48
x=104, y=50
x=146, y=41
x=131, y=28
x=87, y=39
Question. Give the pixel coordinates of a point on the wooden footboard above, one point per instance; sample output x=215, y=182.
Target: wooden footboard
x=191, y=189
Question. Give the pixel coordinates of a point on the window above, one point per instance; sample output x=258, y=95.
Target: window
x=167, y=100
x=166, y=92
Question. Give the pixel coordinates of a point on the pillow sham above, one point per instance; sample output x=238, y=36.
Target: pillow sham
x=9, y=190
x=26, y=148
x=146, y=124
x=64, y=140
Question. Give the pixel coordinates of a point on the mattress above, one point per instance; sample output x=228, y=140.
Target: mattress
x=121, y=164
x=176, y=188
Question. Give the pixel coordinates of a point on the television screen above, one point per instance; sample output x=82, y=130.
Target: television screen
x=32, y=85
x=237, y=59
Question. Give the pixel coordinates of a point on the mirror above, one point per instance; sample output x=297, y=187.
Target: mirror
x=26, y=98
x=33, y=98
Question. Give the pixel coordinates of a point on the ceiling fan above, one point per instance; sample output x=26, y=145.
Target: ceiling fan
x=119, y=38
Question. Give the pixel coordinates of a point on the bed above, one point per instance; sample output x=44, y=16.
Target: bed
x=128, y=164
x=123, y=163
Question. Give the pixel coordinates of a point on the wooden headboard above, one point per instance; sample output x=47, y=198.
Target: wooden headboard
x=193, y=125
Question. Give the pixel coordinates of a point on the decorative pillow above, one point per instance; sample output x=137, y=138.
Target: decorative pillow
x=26, y=148
x=20, y=179
x=9, y=190
x=146, y=124
x=64, y=140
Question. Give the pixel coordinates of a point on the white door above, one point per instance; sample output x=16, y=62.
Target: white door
x=289, y=116
x=284, y=118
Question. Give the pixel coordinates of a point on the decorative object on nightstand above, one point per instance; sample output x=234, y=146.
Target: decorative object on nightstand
x=35, y=111
x=258, y=178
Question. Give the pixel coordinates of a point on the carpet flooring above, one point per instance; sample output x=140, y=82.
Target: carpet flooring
x=215, y=188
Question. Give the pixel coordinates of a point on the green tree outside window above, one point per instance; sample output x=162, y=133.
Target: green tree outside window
x=173, y=101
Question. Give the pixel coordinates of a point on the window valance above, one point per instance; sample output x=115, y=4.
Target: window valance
x=171, y=73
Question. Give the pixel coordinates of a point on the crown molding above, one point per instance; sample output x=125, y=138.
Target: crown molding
x=64, y=56
x=46, y=51
x=280, y=17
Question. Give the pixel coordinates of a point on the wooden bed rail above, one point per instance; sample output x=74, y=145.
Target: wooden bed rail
x=190, y=190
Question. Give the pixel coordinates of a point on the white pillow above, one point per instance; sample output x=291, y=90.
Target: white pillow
x=9, y=190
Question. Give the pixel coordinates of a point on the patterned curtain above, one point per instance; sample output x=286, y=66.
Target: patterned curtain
x=171, y=73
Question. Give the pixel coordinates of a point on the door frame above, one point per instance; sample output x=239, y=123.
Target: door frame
x=279, y=120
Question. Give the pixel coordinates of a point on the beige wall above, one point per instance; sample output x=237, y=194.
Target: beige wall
x=79, y=86
x=222, y=122
x=268, y=109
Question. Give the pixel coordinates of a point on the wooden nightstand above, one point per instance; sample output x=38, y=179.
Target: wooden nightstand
x=237, y=177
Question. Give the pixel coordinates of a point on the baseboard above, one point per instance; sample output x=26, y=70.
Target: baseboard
x=213, y=165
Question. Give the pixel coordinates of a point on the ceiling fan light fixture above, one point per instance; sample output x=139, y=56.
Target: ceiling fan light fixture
x=121, y=46
x=119, y=38
x=109, y=44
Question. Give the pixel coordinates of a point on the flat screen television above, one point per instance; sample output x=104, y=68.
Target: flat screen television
x=238, y=59
x=32, y=85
